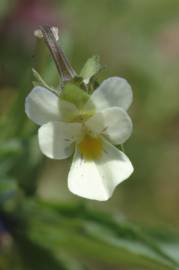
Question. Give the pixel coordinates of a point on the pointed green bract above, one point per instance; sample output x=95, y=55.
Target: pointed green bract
x=75, y=95
x=40, y=81
x=91, y=68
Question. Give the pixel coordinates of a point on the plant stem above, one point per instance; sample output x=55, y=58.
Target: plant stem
x=64, y=68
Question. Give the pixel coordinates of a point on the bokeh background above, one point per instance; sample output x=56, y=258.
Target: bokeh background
x=137, y=40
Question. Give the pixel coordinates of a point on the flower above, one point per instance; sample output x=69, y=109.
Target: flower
x=90, y=128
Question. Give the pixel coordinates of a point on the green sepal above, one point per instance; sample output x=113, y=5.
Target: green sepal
x=40, y=81
x=91, y=68
x=75, y=95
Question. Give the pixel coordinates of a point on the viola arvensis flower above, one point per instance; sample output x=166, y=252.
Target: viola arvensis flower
x=89, y=128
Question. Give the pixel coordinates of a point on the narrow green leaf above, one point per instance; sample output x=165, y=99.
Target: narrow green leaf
x=35, y=256
x=91, y=68
x=95, y=235
x=10, y=147
x=41, y=81
x=8, y=189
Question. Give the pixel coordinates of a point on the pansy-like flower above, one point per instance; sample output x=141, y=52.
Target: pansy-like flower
x=89, y=128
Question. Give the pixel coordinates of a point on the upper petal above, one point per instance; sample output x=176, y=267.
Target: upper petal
x=114, y=123
x=41, y=105
x=97, y=180
x=56, y=139
x=112, y=92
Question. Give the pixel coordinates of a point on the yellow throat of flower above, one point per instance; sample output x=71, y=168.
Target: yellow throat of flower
x=90, y=147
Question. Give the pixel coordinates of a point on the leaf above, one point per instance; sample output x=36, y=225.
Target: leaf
x=75, y=95
x=27, y=172
x=7, y=185
x=91, y=68
x=168, y=241
x=8, y=189
x=79, y=231
x=10, y=147
x=35, y=256
x=13, y=153
x=41, y=81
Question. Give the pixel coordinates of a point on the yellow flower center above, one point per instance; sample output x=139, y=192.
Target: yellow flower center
x=90, y=147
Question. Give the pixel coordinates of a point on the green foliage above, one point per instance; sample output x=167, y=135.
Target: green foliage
x=79, y=231
x=91, y=68
x=40, y=81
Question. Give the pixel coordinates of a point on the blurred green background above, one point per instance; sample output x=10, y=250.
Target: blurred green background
x=137, y=40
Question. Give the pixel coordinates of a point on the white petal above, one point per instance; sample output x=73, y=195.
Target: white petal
x=112, y=92
x=97, y=180
x=41, y=105
x=114, y=165
x=56, y=139
x=114, y=123
x=84, y=179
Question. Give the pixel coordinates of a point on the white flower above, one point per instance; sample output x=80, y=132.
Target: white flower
x=97, y=166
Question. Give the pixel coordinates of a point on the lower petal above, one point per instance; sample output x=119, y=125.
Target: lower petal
x=84, y=179
x=114, y=166
x=97, y=179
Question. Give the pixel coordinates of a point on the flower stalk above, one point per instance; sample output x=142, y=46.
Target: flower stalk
x=64, y=68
